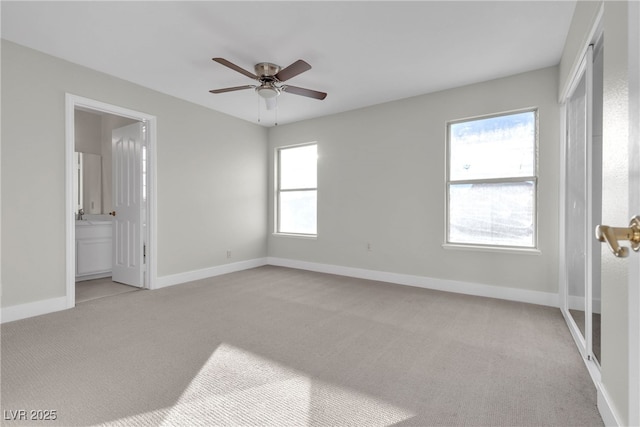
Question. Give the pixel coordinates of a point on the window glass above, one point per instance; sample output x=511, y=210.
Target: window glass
x=298, y=167
x=297, y=190
x=491, y=190
x=496, y=147
x=492, y=214
x=298, y=212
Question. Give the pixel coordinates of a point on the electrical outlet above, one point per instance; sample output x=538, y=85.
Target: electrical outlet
x=369, y=247
x=228, y=254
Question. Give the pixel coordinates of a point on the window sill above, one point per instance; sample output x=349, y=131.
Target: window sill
x=499, y=249
x=296, y=236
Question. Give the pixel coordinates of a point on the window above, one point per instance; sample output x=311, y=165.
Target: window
x=297, y=190
x=492, y=181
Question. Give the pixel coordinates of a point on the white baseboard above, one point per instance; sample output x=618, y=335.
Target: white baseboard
x=37, y=308
x=93, y=276
x=577, y=303
x=189, y=276
x=606, y=408
x=469, y=288
x=522, y=295
x=31, y=309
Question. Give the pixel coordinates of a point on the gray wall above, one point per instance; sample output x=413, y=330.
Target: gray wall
x=381, y=179
x=88, y=132
x=211, y=175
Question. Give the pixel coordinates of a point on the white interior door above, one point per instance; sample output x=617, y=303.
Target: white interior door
x=128, y=257
x=621, y=201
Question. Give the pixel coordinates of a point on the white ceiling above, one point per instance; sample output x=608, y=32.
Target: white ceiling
x=362, y=53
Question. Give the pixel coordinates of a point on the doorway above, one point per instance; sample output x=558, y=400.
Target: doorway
x=129, y=239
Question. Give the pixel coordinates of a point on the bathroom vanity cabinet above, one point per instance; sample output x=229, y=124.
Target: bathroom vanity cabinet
x=94, y=257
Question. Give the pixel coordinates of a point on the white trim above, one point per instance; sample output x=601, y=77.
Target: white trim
x=93, y=276
x=577, y=303
x=31, y=309
x=71, y=103
x=449, y=182
x=590, y=203
x=152, y=204
x=37, y=308
x=577, y=335
x=468, y=288
x=296, y=236
x=504, y=249
x=189, y=276
x=279, y=191
x=563, y=279
x=607, y=410
x=70, y=223
x=590, y=38
x=605, y=406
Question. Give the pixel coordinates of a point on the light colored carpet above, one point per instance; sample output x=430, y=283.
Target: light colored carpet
x=88, y=290
x=283, y=347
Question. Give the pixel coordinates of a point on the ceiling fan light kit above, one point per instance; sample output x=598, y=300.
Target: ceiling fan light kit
x=268, y=91
x=270, y=77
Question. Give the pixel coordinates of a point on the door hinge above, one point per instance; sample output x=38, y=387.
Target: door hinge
x=144, y=254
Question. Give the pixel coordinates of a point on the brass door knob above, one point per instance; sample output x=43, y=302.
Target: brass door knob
x=611, y=235
x=112, y=213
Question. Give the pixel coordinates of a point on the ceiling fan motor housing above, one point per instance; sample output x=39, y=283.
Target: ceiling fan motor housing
x=267, y=69
x=266, y=72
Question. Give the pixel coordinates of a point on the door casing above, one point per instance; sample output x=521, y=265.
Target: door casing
x=71, y=103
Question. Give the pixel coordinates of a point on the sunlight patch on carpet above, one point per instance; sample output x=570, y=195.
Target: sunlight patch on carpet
x=238, y=387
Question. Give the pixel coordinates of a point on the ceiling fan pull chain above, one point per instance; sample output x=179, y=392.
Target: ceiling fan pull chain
x=276, y=112
x=258, y=109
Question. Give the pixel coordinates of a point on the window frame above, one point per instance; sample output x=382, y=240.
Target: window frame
x=278, y=190
x=448, y=244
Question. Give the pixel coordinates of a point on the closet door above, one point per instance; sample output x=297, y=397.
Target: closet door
x=576, y=198
x=583, y=203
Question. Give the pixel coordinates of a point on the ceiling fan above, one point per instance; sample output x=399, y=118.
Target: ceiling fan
x=270, y=78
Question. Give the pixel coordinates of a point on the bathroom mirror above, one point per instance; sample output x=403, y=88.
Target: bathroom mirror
x=88, y=183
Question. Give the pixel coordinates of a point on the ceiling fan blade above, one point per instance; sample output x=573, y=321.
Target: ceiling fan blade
x=235, y=67
x=293, y=70
x=231, y=89
x=304, y=92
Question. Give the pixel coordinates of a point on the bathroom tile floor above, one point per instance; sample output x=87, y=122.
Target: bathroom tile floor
x=100, y=288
